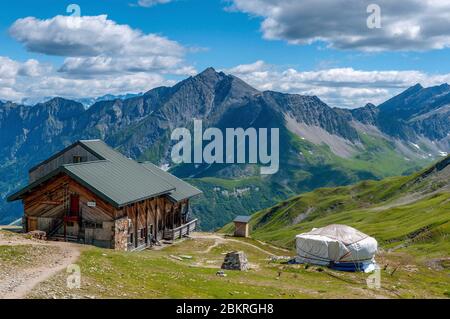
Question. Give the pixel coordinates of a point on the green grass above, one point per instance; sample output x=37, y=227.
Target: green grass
x=154, y=274
x=419, y=225
x=12, y=254
x=23, y=256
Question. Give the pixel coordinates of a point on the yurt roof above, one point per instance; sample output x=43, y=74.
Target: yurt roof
x=345, y=234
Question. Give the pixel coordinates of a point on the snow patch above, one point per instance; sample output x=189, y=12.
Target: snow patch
x=415, y=145
x=165, y=167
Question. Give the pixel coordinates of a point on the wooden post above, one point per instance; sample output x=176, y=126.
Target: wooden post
x=135, y=226
x=172, y=213
x=146, y=223
x=65, y=230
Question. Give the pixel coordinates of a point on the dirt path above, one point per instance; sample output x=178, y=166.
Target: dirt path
x=16, y=282
x=218, y=240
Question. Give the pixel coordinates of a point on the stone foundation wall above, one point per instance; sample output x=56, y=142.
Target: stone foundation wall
x=121, y=234
x=236, y=260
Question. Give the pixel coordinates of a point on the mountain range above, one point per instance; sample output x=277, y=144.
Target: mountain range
x=320, y=145
x=86, y=101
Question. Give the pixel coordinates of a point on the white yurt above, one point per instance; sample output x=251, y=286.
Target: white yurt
x=337, y=246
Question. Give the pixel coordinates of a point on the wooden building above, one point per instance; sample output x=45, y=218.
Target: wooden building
x=90, y=193
x=242, y=226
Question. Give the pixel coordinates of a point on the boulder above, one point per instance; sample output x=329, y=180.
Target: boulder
x=38, y=234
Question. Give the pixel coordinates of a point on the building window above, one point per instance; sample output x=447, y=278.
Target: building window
x=93, y=225
x=78, y=159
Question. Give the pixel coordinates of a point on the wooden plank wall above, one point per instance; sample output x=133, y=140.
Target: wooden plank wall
x=159, y=212
x=102, y=211
x=48, y=200
x=52, y=200
x=65, y=158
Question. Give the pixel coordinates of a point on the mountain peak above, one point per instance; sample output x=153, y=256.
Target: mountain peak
x=56, y=99
x=445, y=86
x=209, y=75
x=209, y=70
x=417, y=86
x=369, y=106
x=413, y=89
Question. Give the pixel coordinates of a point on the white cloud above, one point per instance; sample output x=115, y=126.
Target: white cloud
x=342, y=87
x=95, y=44
x=89, y=36
x=342, y=24
x=33, y=81
x=8, y=71
x=53, y=85
x=11, y=72
x=151, y=3
x=101, y=57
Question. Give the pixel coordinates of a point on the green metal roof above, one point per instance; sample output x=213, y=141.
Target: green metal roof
x=117, y=179
x=242, y=219
x=182, y=190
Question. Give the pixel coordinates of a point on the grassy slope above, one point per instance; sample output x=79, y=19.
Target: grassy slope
x=384, y=209
x=154, y=274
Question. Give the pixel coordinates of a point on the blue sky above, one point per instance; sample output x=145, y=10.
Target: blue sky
x=283, y=49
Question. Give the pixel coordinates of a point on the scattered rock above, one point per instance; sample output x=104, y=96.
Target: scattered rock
x=221, y=273
x=38, y=234
x=185, y=257
x=176, y=257
x=279, y=258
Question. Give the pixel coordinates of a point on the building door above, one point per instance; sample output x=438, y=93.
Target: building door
x=89, y=236
x=32, y=224
x=151, y=234
x=74, y=205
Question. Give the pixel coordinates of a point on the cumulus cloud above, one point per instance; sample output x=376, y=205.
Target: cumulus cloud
x=151, y=3
x=33, y=81
x=89, y=36
x=95, y=44
x=100, y=57
x=54, y=85
x=12, y=71
x=405, y=25
x=341, y=87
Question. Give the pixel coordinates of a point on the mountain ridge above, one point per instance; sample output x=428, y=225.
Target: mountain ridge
x=321, y=145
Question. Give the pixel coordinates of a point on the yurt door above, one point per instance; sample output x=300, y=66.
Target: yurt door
x=334, y=250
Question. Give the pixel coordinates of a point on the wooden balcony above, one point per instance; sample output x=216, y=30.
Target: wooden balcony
x=179, y=232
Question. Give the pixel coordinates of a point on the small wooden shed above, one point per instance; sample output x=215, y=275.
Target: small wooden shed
x=242, y=226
